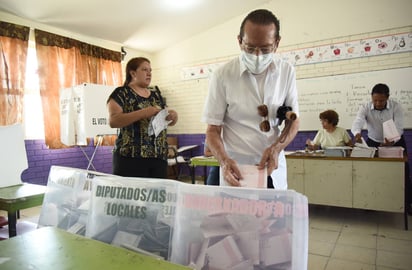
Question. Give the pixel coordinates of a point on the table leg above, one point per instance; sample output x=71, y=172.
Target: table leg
x=12, y=219
x=193, y=174
x=407, y=193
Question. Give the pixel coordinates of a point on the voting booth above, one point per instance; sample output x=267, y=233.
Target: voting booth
x=194, y=225
x=83, y=113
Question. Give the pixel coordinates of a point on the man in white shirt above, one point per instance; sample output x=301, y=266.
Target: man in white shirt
x=236, y=132
x=374, y=113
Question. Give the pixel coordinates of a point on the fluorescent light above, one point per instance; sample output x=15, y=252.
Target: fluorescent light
x=180, y=4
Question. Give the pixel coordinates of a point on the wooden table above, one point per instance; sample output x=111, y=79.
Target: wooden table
x=52, y=248
x=355, y=182
x=202, y=161
x=15, y=198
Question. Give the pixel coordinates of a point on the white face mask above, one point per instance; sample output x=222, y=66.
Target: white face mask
x=256, y=63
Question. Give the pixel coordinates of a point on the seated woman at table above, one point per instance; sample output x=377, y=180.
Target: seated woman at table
x=330, y=135
x=213, y=176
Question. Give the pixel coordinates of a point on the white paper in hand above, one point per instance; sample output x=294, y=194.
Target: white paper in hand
x=362, y=144
x=252, y=176
x=159, y=123
x=390, y=132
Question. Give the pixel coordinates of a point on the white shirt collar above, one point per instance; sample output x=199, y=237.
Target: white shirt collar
x=388, y=106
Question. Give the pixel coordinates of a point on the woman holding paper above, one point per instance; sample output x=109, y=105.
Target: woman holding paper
x=141, y=146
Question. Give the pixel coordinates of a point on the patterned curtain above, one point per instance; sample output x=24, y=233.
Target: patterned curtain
x=14, y=43
x=65, y=62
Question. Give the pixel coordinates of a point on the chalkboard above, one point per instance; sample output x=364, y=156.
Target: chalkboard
x=345, y=93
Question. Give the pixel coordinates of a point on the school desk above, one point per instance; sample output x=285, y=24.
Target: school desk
x=50, y=248
x=204, y=162
x=15, y=198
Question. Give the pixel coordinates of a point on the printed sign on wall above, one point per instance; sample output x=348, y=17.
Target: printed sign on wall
x=352, y=49
x=373, y=46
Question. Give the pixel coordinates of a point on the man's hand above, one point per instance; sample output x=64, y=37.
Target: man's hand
x=388, y=143
x=270, y=159
x=358, y=138
x=231, y=172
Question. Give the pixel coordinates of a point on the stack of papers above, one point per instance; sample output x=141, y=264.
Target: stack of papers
x=363, y=150
x=391, y=151
x=390, y=132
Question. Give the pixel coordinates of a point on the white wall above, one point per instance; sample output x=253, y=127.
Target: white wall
x=301, y=21
x=303, y=24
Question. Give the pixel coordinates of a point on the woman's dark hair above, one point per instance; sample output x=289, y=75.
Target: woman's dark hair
x=380, y=88
x=133, y=64
x=331, y=116
x=263, y=17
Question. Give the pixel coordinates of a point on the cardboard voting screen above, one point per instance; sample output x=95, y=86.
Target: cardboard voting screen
x=83, y=113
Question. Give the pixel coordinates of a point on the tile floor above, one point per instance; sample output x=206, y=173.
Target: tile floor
x=340, y=238
x=351, y=239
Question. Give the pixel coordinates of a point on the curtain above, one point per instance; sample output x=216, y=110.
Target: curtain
x=14, y=43
x=65, y=62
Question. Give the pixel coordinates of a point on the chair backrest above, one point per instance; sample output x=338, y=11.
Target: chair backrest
x=172, y=142
x=13, y=156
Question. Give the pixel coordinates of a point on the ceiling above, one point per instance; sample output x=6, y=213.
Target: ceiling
x=144, y=25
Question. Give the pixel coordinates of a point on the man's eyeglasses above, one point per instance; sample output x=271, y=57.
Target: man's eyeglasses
x=263, y=50
x=263, y=111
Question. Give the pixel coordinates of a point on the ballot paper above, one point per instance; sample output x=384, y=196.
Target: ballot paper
x=362, y=144
x=158, y=123
x=390, y=132
x=276, y=249
x=252, y=176
x=122, y=237
x=224, y=254
x=363, y=150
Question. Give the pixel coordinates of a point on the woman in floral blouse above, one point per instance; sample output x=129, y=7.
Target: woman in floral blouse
x=131, y=108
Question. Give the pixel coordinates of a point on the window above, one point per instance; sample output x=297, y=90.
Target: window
x=33, y=113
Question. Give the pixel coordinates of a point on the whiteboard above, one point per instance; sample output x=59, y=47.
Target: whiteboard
x=345, y=93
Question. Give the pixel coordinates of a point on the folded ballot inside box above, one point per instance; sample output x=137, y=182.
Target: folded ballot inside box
x=209, y=227
x=240, y=228
x=390, y=152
